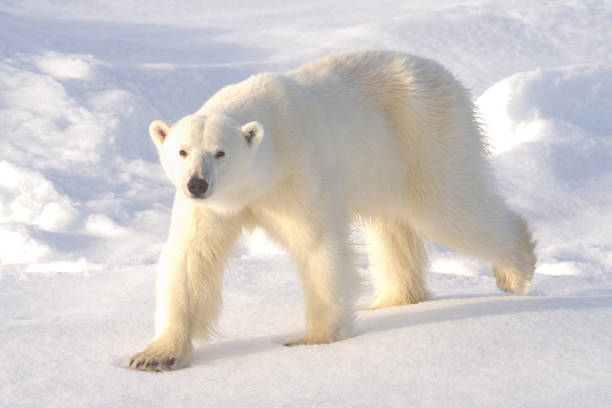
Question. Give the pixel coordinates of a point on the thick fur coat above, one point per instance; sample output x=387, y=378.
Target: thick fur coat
x=383, y=137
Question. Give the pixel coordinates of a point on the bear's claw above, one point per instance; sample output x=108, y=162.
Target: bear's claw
x=160, y=356
x=150, y=363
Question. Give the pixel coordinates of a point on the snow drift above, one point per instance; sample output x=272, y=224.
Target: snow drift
x=552, y=138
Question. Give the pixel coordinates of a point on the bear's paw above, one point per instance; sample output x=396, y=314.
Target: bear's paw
x=160, y=355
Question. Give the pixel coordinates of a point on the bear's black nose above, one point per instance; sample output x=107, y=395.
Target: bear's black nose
x=197, y=186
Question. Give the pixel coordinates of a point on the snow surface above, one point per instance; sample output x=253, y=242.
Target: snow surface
x=84, y=207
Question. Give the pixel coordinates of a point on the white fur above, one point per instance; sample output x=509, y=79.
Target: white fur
x=386, y=137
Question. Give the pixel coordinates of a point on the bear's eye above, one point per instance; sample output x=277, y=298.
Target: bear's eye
x=182, y=153
x=219, y=154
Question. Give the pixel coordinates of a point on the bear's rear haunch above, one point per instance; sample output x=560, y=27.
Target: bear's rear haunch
x=383, y=137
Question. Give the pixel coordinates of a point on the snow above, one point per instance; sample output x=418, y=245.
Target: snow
x=84, y=207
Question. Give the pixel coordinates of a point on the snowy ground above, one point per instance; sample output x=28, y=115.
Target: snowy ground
x=84, y=207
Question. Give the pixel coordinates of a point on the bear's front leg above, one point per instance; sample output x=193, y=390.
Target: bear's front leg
x=188, y=287
x=330, y=285
x=319, y=245
x=171, y=346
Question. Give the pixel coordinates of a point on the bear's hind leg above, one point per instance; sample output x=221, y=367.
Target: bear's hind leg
x=485, y=228
x=399, y=260
x=514, y=274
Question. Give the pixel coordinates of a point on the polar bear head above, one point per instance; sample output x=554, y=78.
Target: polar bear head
x=210, y=158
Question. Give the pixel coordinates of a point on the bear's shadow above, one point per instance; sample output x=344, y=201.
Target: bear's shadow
x=434, y=311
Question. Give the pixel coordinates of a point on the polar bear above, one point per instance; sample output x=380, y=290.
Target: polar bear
x=379, y=136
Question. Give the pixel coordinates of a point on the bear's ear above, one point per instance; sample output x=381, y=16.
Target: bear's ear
x=253, y=133
x=158, y=130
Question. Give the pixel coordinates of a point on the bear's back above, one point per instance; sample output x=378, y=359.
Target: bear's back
x=385, y=79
